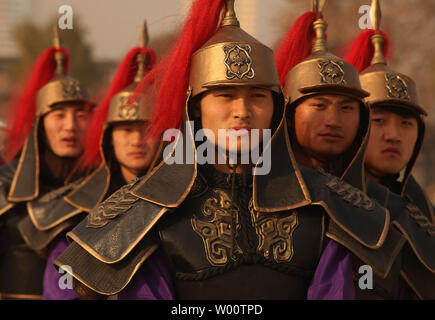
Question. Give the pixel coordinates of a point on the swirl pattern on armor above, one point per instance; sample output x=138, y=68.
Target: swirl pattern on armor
x=275, y=234
x=220, y=228
x=119, y=202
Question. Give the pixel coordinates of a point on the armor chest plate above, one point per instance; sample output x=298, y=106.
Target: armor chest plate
x=212, y=236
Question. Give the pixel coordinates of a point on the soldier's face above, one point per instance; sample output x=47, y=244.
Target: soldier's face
x=238, y=110
x=326, y=125
x=392, y=141
x=65, y=129
x=133, y=151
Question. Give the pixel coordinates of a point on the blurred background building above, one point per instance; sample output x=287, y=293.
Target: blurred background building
x=104, y=30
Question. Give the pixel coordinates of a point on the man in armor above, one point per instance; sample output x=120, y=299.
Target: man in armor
x=45, y=138
x=201, y=230
x=116, y=150
x=396, y=137
x=328, y=119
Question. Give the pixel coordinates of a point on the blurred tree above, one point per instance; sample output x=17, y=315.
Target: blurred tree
x=31, y=40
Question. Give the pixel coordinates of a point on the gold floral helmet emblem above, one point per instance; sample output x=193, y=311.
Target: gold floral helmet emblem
x=238, y=62
x=71, y=88
x=397, y=87
x=331, y=72
x=128, y=111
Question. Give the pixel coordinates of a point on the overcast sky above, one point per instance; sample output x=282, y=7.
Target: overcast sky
x=112, y=25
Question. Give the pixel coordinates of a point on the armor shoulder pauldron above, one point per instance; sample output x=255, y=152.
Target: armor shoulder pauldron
x=113, y=229
x=103, y=278
x=91, y=191
x=381, y=259
x=118, y=203
x=51, y=209
x=420, y=233
x=119, y=223
x=418, y=277
x=415, y=227
x=48, y=216
x=416, y=195
x=39, y=240
x=349, y=208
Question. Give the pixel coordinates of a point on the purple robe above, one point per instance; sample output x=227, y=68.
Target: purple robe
x=333, y=277
x=51, y=289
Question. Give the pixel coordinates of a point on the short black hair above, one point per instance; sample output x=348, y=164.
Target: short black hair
x=399, y=110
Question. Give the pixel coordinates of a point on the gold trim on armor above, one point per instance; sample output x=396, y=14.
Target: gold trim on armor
x=391, y=262
x=219, y=231
x=405, y=234
x=411, y=285
x=54, y=224
x=343, y=243
x=20, y=164
x=6, y=208
x=20, y=296
x=275, y=234
x=100, y=167
x=283, y=126
x=146, y=256
x=383, y=234
x=361, y=150
x=51, y=238
x=195, y=164
x=296, y=167
x=91, y=251
x=429, y=205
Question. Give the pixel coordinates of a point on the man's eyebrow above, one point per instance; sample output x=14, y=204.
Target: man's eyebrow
x=347, y=101
x=222, y=89
x=258, y=88
x=322, y=99
x=378, y=111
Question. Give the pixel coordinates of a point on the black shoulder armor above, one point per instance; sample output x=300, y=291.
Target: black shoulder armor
x=106, y=278
x=91, y=190
x=48, y=216
x=411, y=222
x=415, y=194
x=420, y=233
x=419, y=278
x=117, y=225
x=418, y=262
x=362, y=218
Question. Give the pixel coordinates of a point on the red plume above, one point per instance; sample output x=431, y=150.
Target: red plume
x=23, y=103
x=124, y=76
x=360, y=52
x=171, y=76
x=297, y=44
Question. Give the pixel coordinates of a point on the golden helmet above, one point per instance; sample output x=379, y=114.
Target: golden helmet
x=62, y=88
x=129, y=105
x=322, y=72
x=233, y=57
x=122, y=108
x=385, y=85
